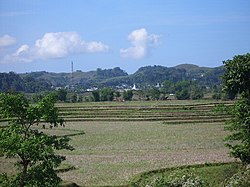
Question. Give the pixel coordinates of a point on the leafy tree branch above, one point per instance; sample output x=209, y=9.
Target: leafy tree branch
x=33, y=150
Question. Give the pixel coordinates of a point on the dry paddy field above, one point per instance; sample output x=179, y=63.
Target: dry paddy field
x=116, y=141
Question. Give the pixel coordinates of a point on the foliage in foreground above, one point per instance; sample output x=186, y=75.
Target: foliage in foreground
x=208, y=175
x=177, y=178
x=237, y=81
x=33, y=150
x=240, y=179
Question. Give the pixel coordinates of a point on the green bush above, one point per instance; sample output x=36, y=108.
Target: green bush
x=183, y=94
x=178, y=178
x=240, y=179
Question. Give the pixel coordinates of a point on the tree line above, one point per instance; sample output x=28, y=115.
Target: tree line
x=168, y=90
x=184, y=89
x=144, y=78
x=181, y=90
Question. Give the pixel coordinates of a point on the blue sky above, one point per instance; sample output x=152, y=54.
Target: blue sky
x=47, y=35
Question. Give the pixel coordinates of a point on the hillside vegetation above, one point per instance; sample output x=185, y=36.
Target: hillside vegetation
x=150, y=75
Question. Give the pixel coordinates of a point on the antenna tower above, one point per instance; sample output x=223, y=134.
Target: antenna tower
x=72, y=69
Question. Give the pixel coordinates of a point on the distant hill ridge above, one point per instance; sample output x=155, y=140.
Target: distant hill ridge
x=191, y=67
x=116, y=77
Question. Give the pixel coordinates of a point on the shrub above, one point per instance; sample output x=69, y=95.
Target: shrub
x=240, y=179
x=178, y=178
x=183, y=94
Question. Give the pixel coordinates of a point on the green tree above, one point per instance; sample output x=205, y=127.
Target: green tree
x=196, y=91
x=237, y=81
x=11, y=82
x=96, y=95
x=73, y=97
x=117, y=94
x=107, y=94
x=181, y=85
x=217, y=92
x=128, y=95
x=62, y=95
x=33, y=150
x=182, y=94
x=154, y=93
x=168, y=87
x=216, y=95
x=36, y=97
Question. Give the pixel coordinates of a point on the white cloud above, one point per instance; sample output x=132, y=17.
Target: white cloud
x=22, y=54
x=93, y=47
x=141, y=43
x=56, y=45
x=7, y=40
x=21, y=50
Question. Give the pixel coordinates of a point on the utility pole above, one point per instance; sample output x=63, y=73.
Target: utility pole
x=72, y=70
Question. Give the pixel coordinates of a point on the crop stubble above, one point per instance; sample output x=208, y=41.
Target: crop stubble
x=110, y=153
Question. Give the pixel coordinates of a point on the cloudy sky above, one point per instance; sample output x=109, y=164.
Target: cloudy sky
x=46, y=35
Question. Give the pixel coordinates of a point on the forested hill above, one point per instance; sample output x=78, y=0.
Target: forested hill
x=116, y=77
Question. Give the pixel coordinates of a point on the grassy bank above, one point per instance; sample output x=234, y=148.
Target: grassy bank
x=215, y=175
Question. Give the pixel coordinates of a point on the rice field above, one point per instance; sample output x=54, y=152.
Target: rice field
x=167, y=111
x=116, y=141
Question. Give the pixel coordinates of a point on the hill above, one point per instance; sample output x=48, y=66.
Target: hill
x=203, y=75
x=116, y=77
x=152, y=75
